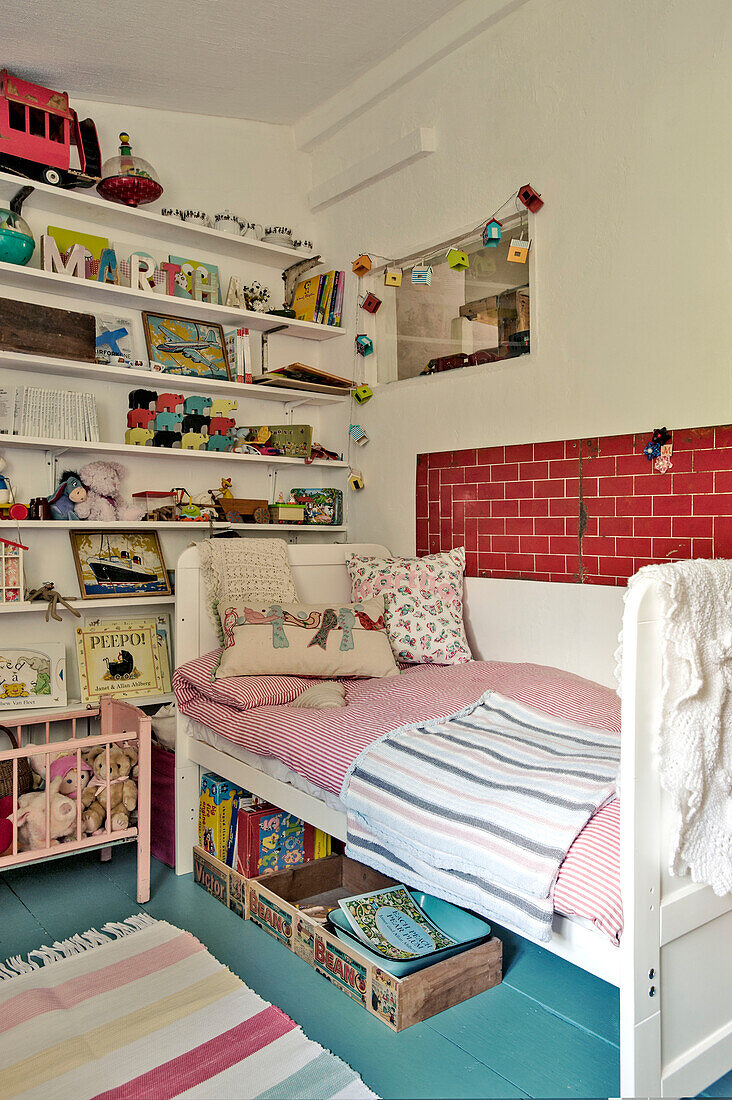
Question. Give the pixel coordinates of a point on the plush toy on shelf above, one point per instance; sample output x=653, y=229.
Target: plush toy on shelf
x=68, y=495
x=104, y=497
x=122, y=789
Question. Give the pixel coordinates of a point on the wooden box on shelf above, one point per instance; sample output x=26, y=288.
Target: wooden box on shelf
x=41, y=330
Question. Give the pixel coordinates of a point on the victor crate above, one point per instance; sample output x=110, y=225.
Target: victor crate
x=272, y=903
x=220, y=881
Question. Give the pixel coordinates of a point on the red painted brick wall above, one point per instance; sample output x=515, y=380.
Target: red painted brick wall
x=517, y=510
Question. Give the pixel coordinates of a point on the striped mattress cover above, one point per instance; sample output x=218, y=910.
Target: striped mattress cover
x=321, y=745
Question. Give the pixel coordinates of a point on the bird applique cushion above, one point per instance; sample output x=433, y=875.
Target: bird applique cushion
x=322, y=640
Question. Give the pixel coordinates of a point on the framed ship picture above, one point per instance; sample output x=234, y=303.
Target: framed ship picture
x=119, y=657
x=119, y=563
x=177, y=346
x=32, y=675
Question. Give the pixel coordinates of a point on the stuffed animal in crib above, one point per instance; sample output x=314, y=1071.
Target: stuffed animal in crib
x=73, y=780
x=31, y=817
x=122, y=790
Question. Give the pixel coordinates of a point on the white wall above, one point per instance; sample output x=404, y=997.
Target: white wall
x=617, y=113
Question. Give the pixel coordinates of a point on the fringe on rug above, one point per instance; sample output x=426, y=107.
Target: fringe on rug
x=14, y=966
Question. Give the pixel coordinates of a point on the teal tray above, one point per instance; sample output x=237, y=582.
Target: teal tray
x=467, y=928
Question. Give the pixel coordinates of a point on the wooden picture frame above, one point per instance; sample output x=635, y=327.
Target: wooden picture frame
x=177, y=345
x=117, y=564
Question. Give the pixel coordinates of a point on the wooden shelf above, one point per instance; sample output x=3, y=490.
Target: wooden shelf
x=14, y=717
x=113, y=297
x=81, y=447
x=69, y=368
x=86, y=205
x=23, y=607
x=171, y=525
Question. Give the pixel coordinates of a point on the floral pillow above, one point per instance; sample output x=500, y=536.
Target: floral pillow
x=423, y=604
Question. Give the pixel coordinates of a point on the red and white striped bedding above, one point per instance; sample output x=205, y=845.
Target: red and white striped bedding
x=320, y=745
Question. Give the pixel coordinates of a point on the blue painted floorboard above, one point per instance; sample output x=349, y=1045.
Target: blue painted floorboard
x=548, y=1030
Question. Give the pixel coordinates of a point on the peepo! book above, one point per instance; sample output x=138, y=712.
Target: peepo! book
x=119, y=657
x=391, y=922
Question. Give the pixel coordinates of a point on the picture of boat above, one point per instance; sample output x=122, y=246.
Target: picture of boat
x=119, y=563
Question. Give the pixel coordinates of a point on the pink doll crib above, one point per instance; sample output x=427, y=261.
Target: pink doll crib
x=120, y=724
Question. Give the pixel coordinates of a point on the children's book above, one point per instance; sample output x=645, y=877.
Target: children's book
x=392, y=924
x=326, y=297
x=307, y=295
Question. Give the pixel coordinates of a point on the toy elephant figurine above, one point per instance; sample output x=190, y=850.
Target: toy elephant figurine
x=139, y=437
x=142, y=399
x=196, y=404
x=219, y=442
x=140, y=418
x=222, y=407
x=168, y=402
x=194, y=441
x=167, y=421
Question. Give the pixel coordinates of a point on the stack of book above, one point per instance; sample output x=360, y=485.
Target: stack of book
x=50, y=414
x=320, y=299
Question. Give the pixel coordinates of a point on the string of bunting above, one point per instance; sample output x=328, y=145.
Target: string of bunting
x=458, y=260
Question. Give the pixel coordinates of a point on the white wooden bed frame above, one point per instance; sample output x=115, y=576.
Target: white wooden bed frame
x=674, y=964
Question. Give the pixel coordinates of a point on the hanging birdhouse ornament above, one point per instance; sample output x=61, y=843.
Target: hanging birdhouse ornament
x=530, y=198
x=392, y=277
x=422, y=275
x=370, y=303
x=458, y=260
x=364, y=344
x=361, y=266
x=358, y=435
x=362, y=394
x=355, y=480
x=518, y=251
x=492, y=233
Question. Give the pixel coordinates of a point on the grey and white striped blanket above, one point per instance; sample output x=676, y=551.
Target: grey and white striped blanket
x=480, y=808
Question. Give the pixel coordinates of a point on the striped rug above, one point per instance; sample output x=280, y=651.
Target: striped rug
x=142, y=1010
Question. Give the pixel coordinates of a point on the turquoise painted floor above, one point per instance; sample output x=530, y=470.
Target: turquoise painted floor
x=548, y=1030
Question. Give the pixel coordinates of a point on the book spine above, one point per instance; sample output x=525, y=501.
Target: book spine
x=94, y=419
x=319, y=297
x=327, y=297
x=334, y=297
x=338, y=309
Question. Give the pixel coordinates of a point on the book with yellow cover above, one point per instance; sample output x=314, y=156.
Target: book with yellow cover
x=120, y=657
x=305, y=302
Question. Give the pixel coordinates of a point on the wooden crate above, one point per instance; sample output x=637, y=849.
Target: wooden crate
x=220, y=881
x=272, y=903
x=42, y=330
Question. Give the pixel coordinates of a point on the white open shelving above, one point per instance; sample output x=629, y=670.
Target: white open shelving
x=14, y=716
x=82, y=447
x=22, y=606
x=113, y=297
x=174, y=525
x=118, y=375
x=86, y=205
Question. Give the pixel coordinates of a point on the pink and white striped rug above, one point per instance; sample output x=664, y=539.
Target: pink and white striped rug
x=142, y=1010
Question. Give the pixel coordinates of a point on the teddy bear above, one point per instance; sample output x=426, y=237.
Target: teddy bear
x=122, y=790
x=104, y=497
x=30, y=817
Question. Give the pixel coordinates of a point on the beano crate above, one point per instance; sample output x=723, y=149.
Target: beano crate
x=272, y=903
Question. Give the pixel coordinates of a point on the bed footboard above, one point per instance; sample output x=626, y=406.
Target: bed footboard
x=676, y=948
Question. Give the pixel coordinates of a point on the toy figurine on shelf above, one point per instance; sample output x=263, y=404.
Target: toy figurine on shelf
x=16, y=240
x=129, y=179
x=48, y=592
x=37, y=132
x=70, y=492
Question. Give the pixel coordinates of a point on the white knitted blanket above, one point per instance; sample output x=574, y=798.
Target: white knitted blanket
x=694, y=741
x=242, y=569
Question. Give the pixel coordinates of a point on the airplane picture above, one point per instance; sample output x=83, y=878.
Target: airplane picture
x=181, y=346
x=189, y=349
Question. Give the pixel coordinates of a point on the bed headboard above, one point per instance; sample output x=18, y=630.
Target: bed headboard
x=570, y=626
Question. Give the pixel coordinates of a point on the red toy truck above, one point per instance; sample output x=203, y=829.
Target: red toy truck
x=39, y=132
